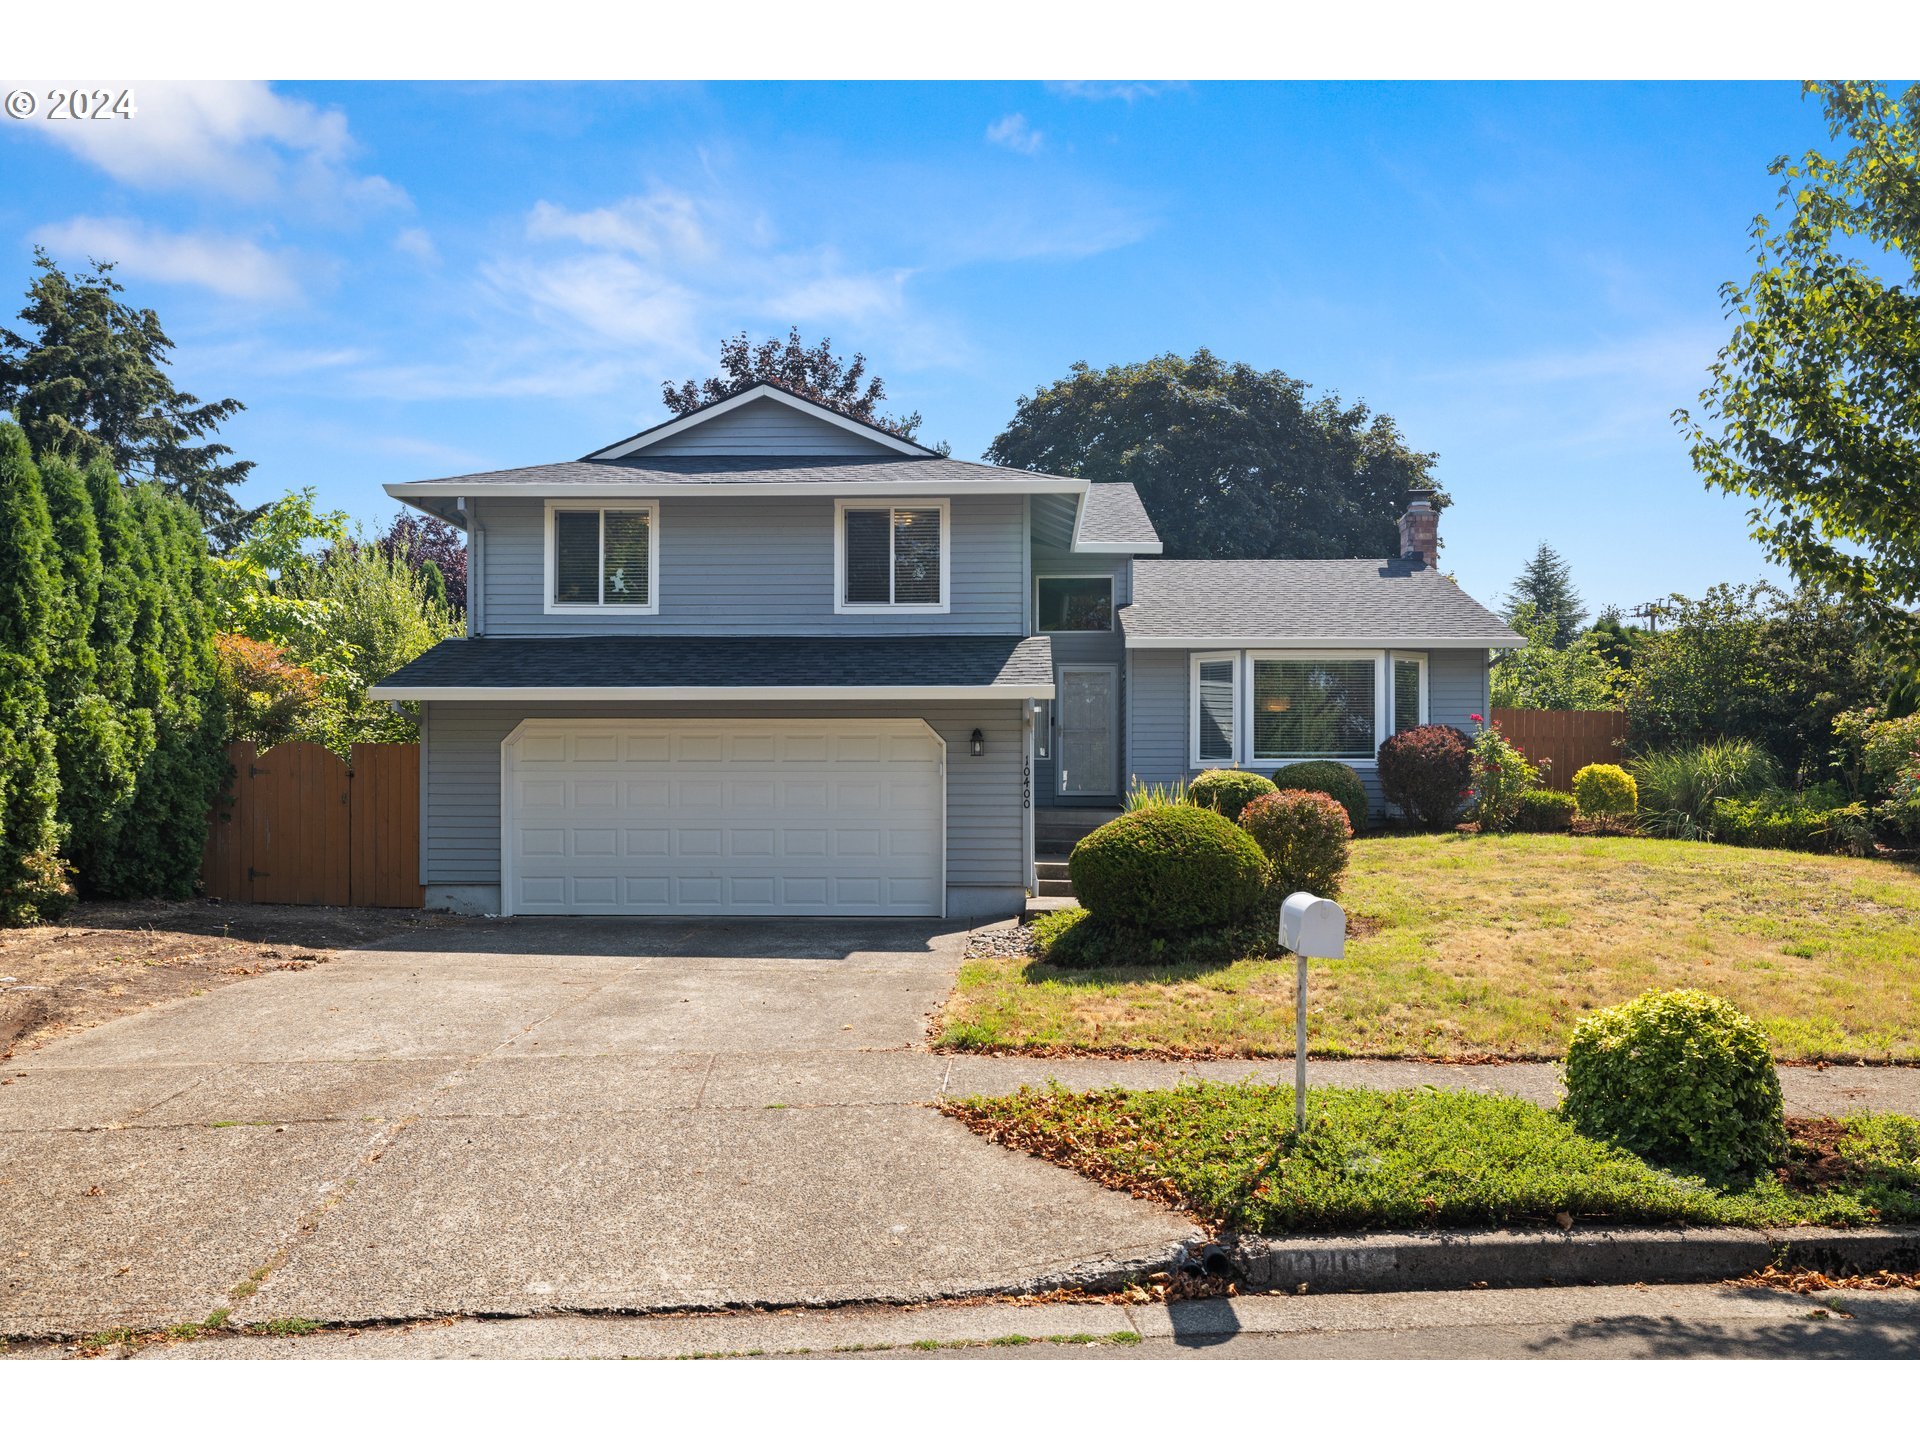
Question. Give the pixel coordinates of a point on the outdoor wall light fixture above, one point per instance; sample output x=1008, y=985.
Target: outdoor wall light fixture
x=977, y=743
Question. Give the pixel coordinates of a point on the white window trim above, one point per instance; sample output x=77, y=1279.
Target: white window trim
x=1381, y=703
x=601, y=607
x=1393, y=658
x=1112, y=604
x=1194, y=662
x=841, y=606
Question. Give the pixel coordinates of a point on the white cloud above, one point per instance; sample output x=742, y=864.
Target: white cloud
x=844, y=297
x=1015, y=133
x=418, y=243
x=239, y=139
x=1127, y=90
x=608, y=296
x=225, y=264
x=659, y=224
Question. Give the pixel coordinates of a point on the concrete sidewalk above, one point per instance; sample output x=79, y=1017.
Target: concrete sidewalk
x=578, y=1115
x=1624, y=1321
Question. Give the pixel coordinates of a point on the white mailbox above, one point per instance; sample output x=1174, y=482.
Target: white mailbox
x=1313, y=927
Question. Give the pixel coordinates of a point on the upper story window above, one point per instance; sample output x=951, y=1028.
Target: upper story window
x=891, y=557
x=603, y=557
x=1073, y=603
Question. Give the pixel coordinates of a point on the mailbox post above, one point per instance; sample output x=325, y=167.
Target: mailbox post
x=1315, y=928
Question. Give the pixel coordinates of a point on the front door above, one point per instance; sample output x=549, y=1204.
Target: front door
x=1086, y=709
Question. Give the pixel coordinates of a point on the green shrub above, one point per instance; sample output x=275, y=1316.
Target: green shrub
x=1605, y=790
x=1428, y=772
x=1680, y=1077
x=1076, y=940
x=1227, y=791
x=1329, y=777
x=1886, y=747
x=1793, y=822
x=1501, y=775
x=1304, y=834
x=1167, y=869
x=1678, y=787
x=1541, y=811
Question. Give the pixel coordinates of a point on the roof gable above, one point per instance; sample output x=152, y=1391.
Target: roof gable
x=762, y=420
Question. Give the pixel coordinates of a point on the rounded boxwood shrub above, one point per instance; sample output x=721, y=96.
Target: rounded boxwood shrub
x=1544, y=811
x=1605, y=790
x=1227, y=791
x=1168, y=868
x=1304, y=834
x=1329, y=777
x=1428, y=772
x=1677, y=1076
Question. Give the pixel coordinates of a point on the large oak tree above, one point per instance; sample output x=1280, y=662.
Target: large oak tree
x=1231, y=462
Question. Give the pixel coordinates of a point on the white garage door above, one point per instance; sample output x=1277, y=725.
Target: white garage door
x=713, y=817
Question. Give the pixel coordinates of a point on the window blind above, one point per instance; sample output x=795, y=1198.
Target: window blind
x=625, y=578
x=1216, y=710
x=576, y=557
x=1406, y=695
x=1313, y=708
x=867, y=557
x=916, y=557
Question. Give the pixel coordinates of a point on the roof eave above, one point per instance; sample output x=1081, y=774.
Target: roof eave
x=643, y=489
x=1508, y=641
x=1023, y=691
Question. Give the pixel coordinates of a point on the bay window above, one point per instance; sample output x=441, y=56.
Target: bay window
x=1261, y=708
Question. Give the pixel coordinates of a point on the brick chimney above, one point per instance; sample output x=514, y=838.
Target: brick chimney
x=1420, y=529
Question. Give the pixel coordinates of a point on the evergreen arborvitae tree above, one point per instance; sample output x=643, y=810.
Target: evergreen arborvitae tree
x=32, y=883
x=158, y=847
x=434, y=582
x=1547, y=585
x=95, y=741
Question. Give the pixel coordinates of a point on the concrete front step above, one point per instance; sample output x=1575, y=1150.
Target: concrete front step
x=1052, y=888
x=1050, y=869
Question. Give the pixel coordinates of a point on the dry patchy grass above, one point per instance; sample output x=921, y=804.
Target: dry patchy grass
x=1492, y=946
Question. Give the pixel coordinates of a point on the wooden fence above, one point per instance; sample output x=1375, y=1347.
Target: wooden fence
x=308, y=828
x=1571, y=739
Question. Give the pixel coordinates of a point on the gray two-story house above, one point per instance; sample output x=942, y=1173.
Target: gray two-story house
x=765, y=659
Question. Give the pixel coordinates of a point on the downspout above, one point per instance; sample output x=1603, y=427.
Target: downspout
x=1027, y=707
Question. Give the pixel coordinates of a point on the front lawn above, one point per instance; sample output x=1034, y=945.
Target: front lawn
x=1469, y=946
x=1425, y=1158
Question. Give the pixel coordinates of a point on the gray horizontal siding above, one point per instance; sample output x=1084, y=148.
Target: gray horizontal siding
x=1085, y=649
x=753, y=565
x=460, y=778
x=766, y=427
x=1158, y=711
x=1456, y=687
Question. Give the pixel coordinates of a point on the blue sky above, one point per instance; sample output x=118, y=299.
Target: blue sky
x=405, y=281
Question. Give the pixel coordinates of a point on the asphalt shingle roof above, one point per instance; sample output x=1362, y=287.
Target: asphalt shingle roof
x=656, y=662
x=1115, y=516
x=668, y=470
x=1293, y=600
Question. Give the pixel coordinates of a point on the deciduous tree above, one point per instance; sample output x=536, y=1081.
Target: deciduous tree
x=1813, y=407
x=1231, y=462
x=813, y=372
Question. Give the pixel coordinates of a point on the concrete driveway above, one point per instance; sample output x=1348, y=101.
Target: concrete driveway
x=533, y=1115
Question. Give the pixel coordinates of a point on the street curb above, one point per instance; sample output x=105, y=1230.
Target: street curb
x=1463, y=1260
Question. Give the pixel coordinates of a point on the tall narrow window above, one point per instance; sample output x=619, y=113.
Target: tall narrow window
x=893, y=555
x=1215, y=704
x=602, y=557
x=1406, y=693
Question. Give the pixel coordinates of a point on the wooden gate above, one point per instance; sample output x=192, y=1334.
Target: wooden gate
x=1571, y=739
x=307, y=828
